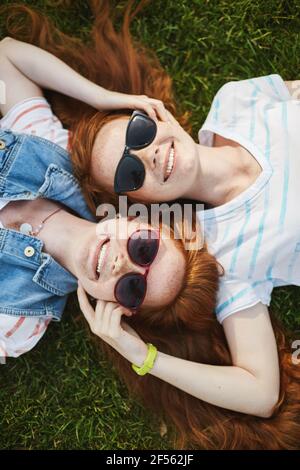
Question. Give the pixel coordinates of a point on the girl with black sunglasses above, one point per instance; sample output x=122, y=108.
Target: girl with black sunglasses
x=215, y=382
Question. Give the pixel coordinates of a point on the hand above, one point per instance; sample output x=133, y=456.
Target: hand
x=105, y=322
x=114, y=100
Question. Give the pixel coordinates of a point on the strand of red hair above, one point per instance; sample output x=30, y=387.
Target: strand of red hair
x=188, y=328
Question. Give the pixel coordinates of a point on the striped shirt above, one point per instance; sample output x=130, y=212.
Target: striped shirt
x=256, y=235
x=30, y=116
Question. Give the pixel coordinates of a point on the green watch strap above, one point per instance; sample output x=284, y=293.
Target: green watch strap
x=148, y=362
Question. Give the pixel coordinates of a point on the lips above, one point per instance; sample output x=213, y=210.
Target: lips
x=102, y=256
x=169, y=162
x=93, y=259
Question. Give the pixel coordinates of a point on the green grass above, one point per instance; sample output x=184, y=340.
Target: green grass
x=62, y=395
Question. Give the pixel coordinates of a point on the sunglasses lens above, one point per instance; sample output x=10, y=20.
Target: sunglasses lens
x=131, y=290
x=141, y=132
x=130, y=174
x=143, y=247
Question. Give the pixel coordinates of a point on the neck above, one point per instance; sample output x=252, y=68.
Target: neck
x=216, y=176
x=60, y=236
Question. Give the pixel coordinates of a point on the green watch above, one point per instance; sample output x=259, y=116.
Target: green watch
x=148, y=362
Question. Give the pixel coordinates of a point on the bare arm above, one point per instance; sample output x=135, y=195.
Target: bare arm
x=17, y=86
x=38, y=67
x=250, y=386
x=47, y=71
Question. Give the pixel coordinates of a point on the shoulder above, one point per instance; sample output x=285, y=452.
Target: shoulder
x=237, y=294
x=272, y=86
x=34, y=116
x=20, y=334
x=251, y=340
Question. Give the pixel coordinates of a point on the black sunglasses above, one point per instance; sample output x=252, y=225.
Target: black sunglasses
x=142, y=248
x=130, y=173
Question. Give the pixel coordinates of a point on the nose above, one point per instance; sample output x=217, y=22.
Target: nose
x=149, y=156
x=122, y=265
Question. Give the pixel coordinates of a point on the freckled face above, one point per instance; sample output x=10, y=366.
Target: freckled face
x=165, y=275
x=169, y=173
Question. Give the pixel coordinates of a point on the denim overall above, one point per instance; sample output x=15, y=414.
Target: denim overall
x=32, y=283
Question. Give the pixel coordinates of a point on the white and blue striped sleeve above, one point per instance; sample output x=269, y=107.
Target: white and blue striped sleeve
x=271, y=86
x=235, y=295
x=238, y=95
x=234, y=99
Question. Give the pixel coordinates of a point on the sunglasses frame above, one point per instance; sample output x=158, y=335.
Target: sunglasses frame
x=147, y=266
x=127, y=154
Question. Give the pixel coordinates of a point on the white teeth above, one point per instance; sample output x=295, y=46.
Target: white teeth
x=170, y=163
x=101, y=256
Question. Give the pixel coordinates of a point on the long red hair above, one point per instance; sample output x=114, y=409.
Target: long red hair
x=188, y=328
x=111, y=60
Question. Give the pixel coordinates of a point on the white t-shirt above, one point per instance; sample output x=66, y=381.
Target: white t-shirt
x=2, y=203
x=256, y=236
x=31, y=116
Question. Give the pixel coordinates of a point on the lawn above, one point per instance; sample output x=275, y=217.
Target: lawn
x=62, y=395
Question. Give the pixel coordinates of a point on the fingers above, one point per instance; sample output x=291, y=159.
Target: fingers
x=171, y=118
x=154, y=108
x=114, y=325
x=159, y=108
x=150, y=111
x=107, y=321
x=104, y=317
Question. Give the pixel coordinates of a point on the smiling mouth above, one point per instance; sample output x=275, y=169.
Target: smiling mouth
x=169, y=165
x=100, y=258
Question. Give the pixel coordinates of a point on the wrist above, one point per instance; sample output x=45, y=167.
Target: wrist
x=148, y=363
x=139, y=355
